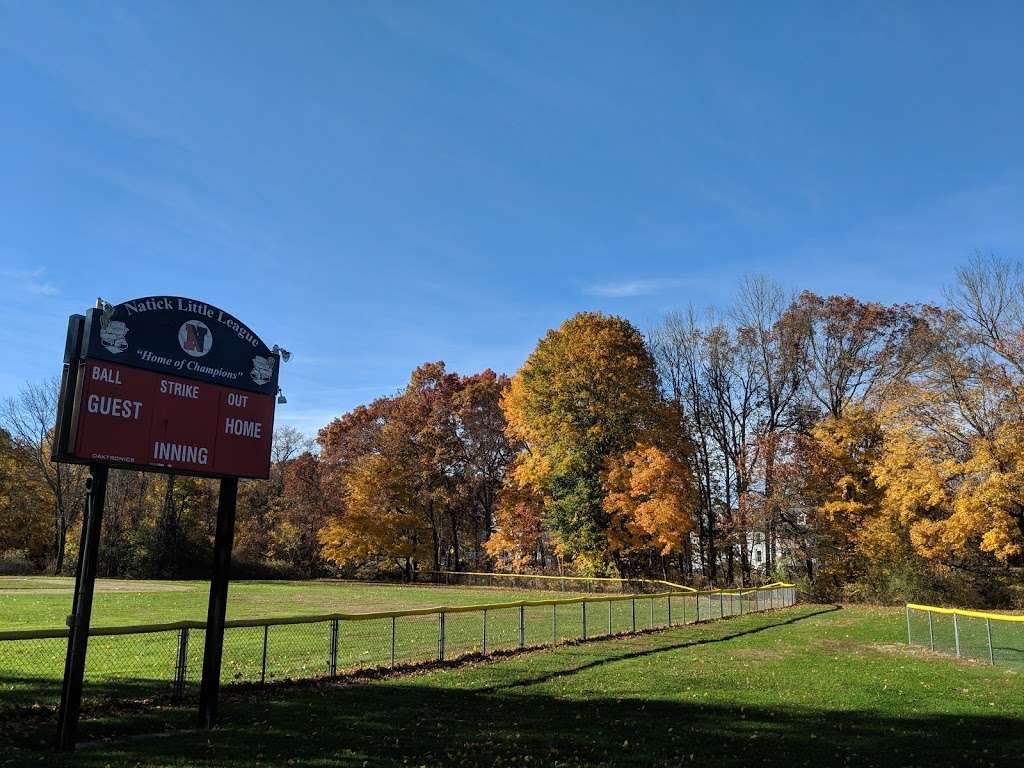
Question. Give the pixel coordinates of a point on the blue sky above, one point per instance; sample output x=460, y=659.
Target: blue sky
x=373, y=185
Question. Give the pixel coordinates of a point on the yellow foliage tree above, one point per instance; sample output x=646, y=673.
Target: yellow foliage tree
x=377, y=521
x=520, y=539
x=649, y=496
x=587, y=393
x=24, y=507
x=853, y=533
x=957, y=506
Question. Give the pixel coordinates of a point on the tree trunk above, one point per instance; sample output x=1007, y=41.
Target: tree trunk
x=455, y=541
x=769, y=507
x=60, y=543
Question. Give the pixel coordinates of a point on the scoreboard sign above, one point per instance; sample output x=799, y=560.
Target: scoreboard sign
x=167, y=384
x=162, y=384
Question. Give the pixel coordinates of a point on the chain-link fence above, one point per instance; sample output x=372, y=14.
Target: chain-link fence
x=994, y=638
x=161, y=661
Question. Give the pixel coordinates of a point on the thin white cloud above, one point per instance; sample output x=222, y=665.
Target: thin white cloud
x=32, y=282
x=42, y=289
x=629, y=288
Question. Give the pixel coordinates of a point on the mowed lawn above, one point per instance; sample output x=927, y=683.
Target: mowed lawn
x=44, y=603
x=138, y=666
x=808, y=686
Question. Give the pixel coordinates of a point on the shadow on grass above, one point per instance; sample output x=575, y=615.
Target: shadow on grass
x=368, y=724
x=410, y=722
x=35, y=698
x=526, y=682
x=31, y=698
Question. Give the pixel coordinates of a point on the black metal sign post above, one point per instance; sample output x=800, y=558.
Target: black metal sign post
x=209, y=689
x=79, y=620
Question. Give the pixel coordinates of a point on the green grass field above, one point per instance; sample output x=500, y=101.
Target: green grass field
x=813, y=685
x=142, y=665
x=43, y=603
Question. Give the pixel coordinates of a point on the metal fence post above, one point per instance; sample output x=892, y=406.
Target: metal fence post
x=334, y=648
x=584, y=619
x=669, y=610
x=721, y=605
x=931, y=633
x=741, y=603
x=988, y=631
x=554, y=623
x=910, y=639
x=652, y=613
x=633, y=610
x=263, y=661
x=522, y=626
x=392, y=641
x=956, y=634
x=440, y=636
x=697, y=607
x=609, y=617
x=182, y=665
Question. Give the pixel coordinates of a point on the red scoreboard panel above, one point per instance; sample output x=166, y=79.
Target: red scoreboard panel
x=142, y=418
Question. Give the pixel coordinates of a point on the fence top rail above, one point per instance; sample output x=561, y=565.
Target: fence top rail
x=42, y=634
x=965, y=612
x=672, y=585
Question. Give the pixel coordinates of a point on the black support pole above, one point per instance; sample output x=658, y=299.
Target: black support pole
x=81, y=610
x=209, y=690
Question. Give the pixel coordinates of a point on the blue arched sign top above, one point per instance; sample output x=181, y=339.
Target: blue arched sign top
x=182, y=337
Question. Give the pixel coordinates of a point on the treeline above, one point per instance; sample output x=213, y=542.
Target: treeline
x=154, y=525
x=875, y=452
x=872, y=451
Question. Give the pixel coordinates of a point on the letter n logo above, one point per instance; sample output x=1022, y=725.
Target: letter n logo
x=194, y=338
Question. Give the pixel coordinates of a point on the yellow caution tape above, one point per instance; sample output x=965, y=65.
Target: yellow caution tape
x=964, y=612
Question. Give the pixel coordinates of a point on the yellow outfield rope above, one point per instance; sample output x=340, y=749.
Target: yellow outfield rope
x=964, y=612
x=565, y=578
x=673, y=585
